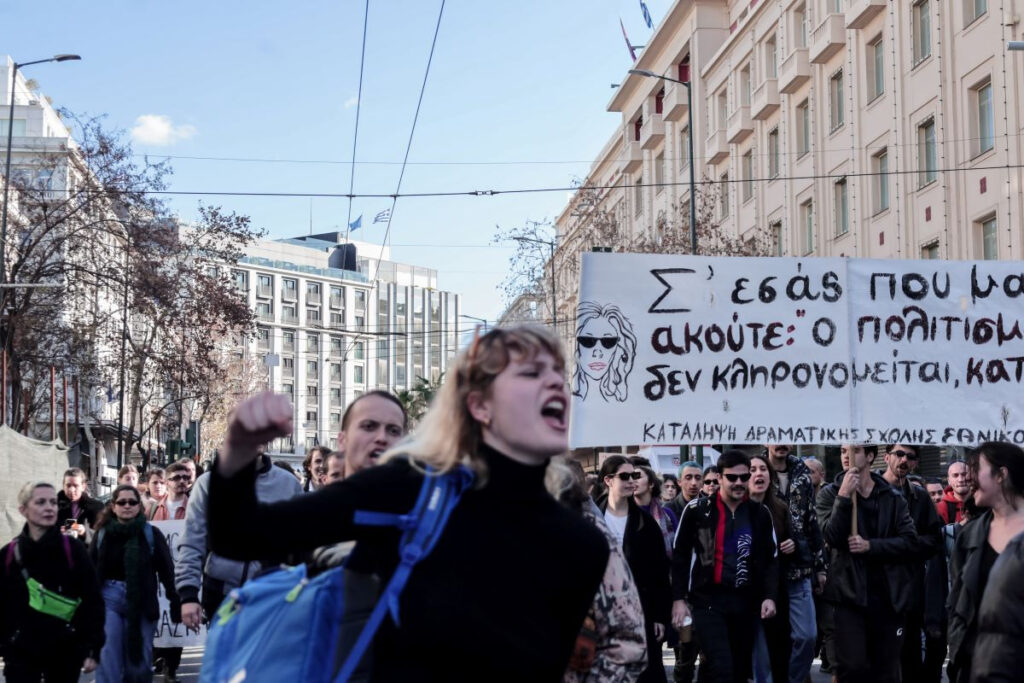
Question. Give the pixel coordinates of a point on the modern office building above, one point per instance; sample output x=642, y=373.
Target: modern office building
x=337, y=318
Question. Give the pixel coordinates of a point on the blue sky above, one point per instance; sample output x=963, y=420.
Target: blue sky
x=519, y=81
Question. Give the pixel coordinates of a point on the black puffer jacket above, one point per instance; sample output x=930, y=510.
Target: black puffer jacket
x=999, y=647
x=965, y=568
x=644, y=548
x=893, y=546
x=46, y=561
x=88, y=509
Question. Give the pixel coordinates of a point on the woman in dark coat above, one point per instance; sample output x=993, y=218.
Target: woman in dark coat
x=644, y=547
x=129, y=554
x=998, y=477
x=35, y=644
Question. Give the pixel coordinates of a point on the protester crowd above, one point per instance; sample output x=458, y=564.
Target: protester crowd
x=747, y=570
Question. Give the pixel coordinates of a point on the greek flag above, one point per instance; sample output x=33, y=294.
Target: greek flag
x=647, y=14
x=383, y=216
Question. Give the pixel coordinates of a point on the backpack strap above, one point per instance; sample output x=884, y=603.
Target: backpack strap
x=438, y=497
x=67, y=551
x=148, y=533
x=9, y=555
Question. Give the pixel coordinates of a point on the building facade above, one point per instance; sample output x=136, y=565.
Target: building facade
x=337, y=318
x=832, y=128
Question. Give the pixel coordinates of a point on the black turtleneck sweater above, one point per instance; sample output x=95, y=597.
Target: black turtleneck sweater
x=502, y=597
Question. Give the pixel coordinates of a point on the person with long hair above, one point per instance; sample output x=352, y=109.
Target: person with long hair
x=34, y=642
x=773, y=641
x=648, y=497
x=996, y=471
x=129, y=555
x=640, y=538
x=505, y=591
x=605, y=350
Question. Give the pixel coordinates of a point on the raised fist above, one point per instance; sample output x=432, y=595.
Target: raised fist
x=253, y=423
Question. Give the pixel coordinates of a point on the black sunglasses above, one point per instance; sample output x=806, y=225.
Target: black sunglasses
x=905, y=454
x=181, y=477
x=590, y=342
x=711, y=482
x=125, y=502
x=626, y=476
x=738, y=477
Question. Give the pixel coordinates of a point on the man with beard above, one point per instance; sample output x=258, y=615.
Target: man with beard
x=870, y=533
x=951, y=509
x=900, y=461
x=690, y=481
x=725, y=571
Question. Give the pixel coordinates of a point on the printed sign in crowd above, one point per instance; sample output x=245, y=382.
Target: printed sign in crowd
x=691, y=349
x=169, y=634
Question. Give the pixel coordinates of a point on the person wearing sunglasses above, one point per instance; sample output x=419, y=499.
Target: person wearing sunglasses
x=640, y=538
x=174, y=504
x=605, y=350
x=869, y=578
x=900, y=461
x=130, y=555
x=725, y=571
x=36, y=642
x=711, y=481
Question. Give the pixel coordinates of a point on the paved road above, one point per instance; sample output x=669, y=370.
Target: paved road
x=193, y=657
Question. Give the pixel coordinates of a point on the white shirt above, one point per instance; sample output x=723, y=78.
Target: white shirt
x=172, y=507
x=617, y=525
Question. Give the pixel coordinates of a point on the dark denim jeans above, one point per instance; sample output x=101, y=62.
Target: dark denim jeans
x=115, y=665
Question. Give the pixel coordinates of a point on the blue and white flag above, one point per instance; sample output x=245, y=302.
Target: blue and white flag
x=382, y=217
x=647, y=14
x=357, y=223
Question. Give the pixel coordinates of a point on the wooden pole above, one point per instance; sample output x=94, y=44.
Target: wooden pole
x=65, y=378
x=853, y=530
x=53, y=403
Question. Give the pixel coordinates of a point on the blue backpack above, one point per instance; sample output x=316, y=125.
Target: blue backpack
x=287, y=626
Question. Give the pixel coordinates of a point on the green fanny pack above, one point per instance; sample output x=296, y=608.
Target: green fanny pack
x=41, y=598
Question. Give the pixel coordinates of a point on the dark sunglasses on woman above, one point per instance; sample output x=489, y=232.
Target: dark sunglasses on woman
x=125, y=502
x=590, y=342
x=626, y=476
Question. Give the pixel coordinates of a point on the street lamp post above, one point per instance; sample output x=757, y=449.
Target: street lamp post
x=693, y=183
x=693, y=187
x=7, y=164
x=482, y=321
x=554, y=297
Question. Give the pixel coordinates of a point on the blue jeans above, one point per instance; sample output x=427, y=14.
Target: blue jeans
x=115, y=665
x=762, y=665
x=804, y=629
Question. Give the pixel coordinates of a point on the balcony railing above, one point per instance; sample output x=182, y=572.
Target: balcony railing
x=740, y=125
x=652, y=132
x=860, y=12
x=794, y=71
x=828, y=39
x=765, y=99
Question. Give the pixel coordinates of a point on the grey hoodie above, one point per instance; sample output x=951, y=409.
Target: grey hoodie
x=272, y=484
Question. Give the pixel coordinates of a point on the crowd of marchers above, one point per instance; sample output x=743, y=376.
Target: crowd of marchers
x=747, y=570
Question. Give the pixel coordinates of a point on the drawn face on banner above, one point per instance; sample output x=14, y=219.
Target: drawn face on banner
x=605, y=349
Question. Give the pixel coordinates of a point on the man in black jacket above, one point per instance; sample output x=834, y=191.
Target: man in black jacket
x=725, y=571
x=900, y=461
x=74, y=504
x=871, y=535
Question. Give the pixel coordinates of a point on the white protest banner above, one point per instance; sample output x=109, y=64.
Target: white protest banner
x=691, y=349
x=169, y=634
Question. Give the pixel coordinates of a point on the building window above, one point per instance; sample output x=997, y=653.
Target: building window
x=289, y=366
x=922, y=29
x=265, y=286
x=312, y=368
x=723, y=109
x=684, y=147
x=880, y=168
x=638, y=196
x=335, y=398
x=803, y=128
x=290, y=314
x=876, y=69
x=312, y=293
x=748, y=175
x=771, y=58
x=989, y=242
x=241, y=280
x=775, y=230
x=842, y=206
x=337, y=346
x=927, y=168
x=335, y=420
x=312, y=316
x=335, y=372
x=357, y=374
x=290, y=288
x=288, y=338
x=659, y=172
x=974, y=9
x=930, y=251
x=359, y=350
x=800, y=26
x=836, y=99
x=724, y=201
x=263, y=338
x=287, y=389
x=773, y=153
x=807, y=222
x=265, y=311
x=745, y=86
x=983, y=119
x=313, y=343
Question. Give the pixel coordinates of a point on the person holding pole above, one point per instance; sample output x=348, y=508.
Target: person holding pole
x=872, y=538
